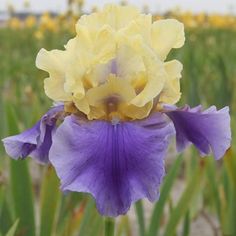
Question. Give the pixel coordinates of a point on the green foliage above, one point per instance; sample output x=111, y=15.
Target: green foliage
x=140, y=217
x=165, y=195
x=49, y=201
x=21, y=187
x=184, y=203
x=109, y=227
x=33, y=205
x=12, y=230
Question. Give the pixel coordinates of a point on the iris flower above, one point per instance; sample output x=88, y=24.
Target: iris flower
x=115, y=93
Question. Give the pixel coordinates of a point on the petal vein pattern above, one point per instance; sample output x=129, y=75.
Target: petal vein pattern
x=118, y=164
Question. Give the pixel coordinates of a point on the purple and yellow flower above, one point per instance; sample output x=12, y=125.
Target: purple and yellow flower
x=117, y=93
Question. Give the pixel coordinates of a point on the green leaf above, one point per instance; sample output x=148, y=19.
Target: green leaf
x=230, y=164
x=229, y=210
x=68, y=204
x=182, y=206
x=165, y=191
x=21, y=186
x=96, y=226
x=109, y=227
x=211, y=174
x=22, y=197
x=12, y=230
x=123, y=228
x=90, y=206
x=186, y=225
x=5, y=216
x=231, y=213
x=49, y=201
x=140, y=216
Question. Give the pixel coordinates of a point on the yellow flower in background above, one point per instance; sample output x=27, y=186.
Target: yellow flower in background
x=188, y=19
x=14, y=23
x=66, y=22
x=39, y=34
x=30, y=21
x=47, y=22
x=200, y=18
x=219, y=21
x=115, y=66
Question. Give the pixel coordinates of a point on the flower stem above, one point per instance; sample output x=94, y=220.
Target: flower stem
x=109, y=227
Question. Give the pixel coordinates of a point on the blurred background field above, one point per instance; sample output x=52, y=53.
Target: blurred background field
x=198, y=196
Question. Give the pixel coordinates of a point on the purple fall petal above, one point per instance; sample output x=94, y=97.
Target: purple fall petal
x=36, y=141
x=207, y=130
x=21, y=145
x=117, y=163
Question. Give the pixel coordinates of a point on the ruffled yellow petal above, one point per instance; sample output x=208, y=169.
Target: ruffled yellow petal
x=155, y=74
x=54, y=89
x=82, y=104
x=54, y=62
x=111, y=96
x=129, y=63
x=74, y=84
x=51, y=61
x=113, y=15
x=99, y=74
x=140, y=26
x=115, y=67
x=171, y=91
x=134, y=112
x=86, y=56
x=167, y=34
x=114, y=88
x=118, y=17
x=97, y=113
x=77, y=64
x=105, y=45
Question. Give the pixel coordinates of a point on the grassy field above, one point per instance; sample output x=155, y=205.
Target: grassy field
x=29, y=195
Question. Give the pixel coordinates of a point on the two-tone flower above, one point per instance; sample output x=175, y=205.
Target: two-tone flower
x=109, y=135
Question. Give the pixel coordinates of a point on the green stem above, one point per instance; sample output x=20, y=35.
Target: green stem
x=109, y=227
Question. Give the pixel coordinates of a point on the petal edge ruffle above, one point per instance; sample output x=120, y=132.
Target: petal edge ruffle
x=208, y=130
x=36, y=141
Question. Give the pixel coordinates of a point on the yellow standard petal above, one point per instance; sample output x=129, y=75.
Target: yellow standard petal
x=110, y=96
x=134, y=112
x=155, y=74
x=171, y=91
x=113, y=15
x=115, y=65
x=54, y=62
x=167, y=34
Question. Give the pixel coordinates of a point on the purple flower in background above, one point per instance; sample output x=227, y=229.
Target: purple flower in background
x=118, y=112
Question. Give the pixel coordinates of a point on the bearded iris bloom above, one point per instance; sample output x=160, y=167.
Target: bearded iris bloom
x=117, y=93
